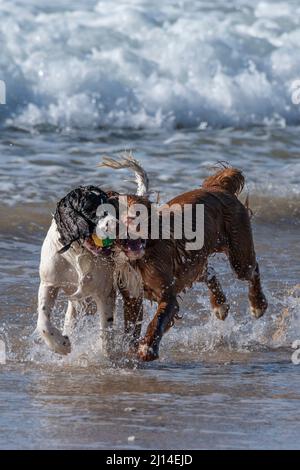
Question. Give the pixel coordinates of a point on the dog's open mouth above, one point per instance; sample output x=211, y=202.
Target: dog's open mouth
x=134, y=249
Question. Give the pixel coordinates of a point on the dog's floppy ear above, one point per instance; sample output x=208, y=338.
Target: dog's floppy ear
x=76, y=214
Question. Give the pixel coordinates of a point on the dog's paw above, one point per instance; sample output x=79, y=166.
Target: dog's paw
x=257, y=312
x=147, y=353
x=221, y=311
x=133, y=348
x=55, y=340
x=36, y=336
x=259, y=309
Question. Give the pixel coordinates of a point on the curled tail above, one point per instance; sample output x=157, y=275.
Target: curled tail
x=127, y=161
x=229, y=179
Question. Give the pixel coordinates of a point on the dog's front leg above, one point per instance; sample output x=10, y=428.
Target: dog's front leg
x=51, y=335
x=106, y=310
x=133, y=317
x=168, y=308
x=70, y=318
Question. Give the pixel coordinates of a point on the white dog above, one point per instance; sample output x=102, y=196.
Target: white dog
x=73, y=261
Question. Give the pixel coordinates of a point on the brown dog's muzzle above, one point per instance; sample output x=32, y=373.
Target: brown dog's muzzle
x=134, y=249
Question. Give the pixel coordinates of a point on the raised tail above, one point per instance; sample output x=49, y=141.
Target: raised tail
x=127, y=161
x=229, y=179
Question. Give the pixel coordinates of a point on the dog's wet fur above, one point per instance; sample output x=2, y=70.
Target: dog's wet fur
x=158, y=270
x=168, y=268
x=75, y=214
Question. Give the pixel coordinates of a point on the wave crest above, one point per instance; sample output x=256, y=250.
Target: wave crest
x=143, y=64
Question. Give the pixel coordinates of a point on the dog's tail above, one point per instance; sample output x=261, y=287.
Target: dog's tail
x=229, y=179
x=127, y=161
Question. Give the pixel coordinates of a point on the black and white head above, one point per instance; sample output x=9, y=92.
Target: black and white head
x=79, y=218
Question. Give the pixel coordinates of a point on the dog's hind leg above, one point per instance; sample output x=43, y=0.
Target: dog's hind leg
x=257, y=299
x=51, y=335
x=242, y=258
x=217, y=297
x=249, y=271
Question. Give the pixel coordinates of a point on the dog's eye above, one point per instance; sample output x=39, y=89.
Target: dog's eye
x=102, y=216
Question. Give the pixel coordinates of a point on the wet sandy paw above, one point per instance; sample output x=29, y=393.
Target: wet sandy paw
x=55, y=340
x=221, y=311
x=147, y=353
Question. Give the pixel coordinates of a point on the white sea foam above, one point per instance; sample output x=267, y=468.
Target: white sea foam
x=138, y=63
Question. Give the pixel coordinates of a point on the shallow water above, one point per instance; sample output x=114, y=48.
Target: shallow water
x=183, y=85
x=242, y=402
x=216, y=385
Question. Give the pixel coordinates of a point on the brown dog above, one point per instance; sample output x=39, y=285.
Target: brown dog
x=167, y=267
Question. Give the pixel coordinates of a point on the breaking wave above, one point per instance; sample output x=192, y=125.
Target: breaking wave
x=142, y=64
